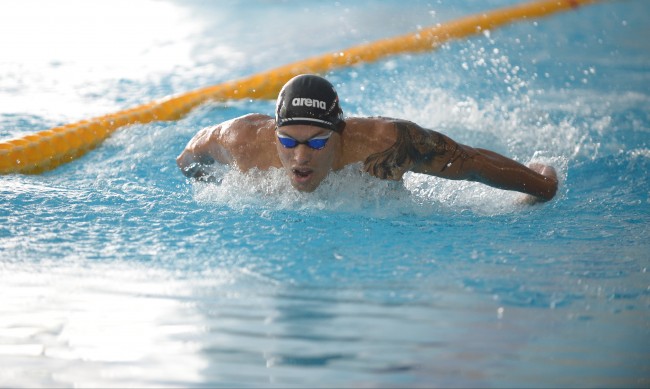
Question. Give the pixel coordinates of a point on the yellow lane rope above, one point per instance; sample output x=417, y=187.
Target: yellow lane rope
x=45, y=150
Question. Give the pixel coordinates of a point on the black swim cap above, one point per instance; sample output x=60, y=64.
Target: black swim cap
x=310, y=100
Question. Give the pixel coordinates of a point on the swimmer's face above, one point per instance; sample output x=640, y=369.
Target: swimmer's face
x=307, y=167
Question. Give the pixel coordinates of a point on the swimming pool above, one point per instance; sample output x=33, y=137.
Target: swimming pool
x=116, y=271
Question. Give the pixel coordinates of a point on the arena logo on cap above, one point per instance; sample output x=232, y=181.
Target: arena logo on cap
x=307, y=102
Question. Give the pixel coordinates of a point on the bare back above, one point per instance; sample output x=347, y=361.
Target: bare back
x=248, y=142
x=245, y=142
x=388, y=148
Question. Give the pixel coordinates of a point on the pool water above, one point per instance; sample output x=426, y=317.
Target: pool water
x=117, y=271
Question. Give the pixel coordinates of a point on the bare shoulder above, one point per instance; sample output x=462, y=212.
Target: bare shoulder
x=244, y=142
x=254, y=121
x=380, y=130
x=370, y=127
x=248, y=141
x=365, y=136
x=243, y=129
x=392, y=147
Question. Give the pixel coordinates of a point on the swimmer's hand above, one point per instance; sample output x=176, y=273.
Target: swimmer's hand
x=550, y=175
x=200, y=172
x=195, y=170
x=194, y=165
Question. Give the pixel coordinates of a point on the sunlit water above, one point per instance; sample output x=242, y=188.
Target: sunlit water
x=116, y=271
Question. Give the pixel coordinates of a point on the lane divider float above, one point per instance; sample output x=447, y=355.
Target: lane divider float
x=45, y=150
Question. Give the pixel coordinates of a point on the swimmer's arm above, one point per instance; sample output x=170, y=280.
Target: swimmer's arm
x=429, y=152
x=490, y=168
x=449, y=159
x=202, y=151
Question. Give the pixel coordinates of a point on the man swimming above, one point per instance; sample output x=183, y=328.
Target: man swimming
x=309, y=137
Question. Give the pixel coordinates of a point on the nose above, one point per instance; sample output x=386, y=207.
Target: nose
x=302, y=154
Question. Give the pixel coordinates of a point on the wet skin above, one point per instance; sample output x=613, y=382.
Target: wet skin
x=387, y=148
x=307, y=167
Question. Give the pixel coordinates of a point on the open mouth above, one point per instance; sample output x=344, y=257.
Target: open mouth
x=302, y=174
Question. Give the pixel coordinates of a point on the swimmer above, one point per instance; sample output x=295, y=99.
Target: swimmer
x=309, y=137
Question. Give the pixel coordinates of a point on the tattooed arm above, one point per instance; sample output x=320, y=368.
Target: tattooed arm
x=424, y=151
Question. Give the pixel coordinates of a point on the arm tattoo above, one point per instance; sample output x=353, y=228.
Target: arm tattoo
x=414, y=146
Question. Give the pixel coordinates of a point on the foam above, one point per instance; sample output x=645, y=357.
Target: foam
x=346, y=190
x=515, y=125
x=352, y=191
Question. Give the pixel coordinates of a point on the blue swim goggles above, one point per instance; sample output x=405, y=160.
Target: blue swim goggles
x=316, y=143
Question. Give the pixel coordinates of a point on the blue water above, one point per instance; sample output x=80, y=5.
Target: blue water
x=116, y=271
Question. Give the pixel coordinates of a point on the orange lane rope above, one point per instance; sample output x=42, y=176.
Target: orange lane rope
x=45, y=150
